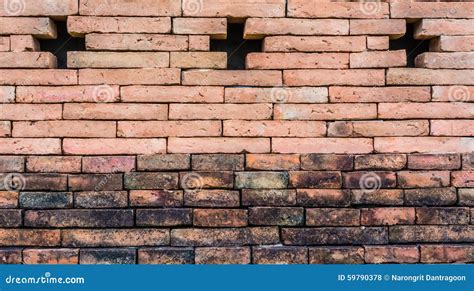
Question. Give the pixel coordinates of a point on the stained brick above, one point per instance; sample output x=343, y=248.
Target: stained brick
x=332, y=217
x=101, y=199
x=151, y=181
x=268, y=197
x=107, y=256
x=163, y=162
x=391, y=254
x=280, y=255
x=115, y=237
x=220, y=217
x=431, y=196
x=224, y=255
x=163, y=217
x=166, y=256
x=157, y=198
x=45, y=200
x=282, y=216
x=261, y=180
x=336, y=255
x=51, y=256
x=334, y=235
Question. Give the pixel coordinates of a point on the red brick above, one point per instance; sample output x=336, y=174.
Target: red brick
x=175, y=94
x=30, y=111
x=324, y=111
x=416, y=10
x=218, y=145
x=168, y=217
x=220, y=217
x=215, y=27
x=27, y=60
x=163, y=162
x=419, y=76
x=115, y=111
x=114, y=237
x=434, y=162
x=387, y=216
x=212, y=198
x=332, y=217
x=321, y=77
x=369, y=181
x=4, y=43
x=379, y=94
x=308, y=9
x=322, y=197
x=156, y=198
x=242, y=9
x=108, y=164
x=384, y=59
x=276, y=95
x=297, y=61
x=8, y=199
x=136, y=42
x=146, y=181
x=29, y=237
x=24, y=43
x=108, y=256
x=425, y=110
x=261, y=180
x=7, y=94
x=423, y=179
x=387, y=197
x=95, y=182
x=40, y=27
x=452, y=127
x=428, y=233
x=117, y=60
x=314, y=44
x=279, y=255
x=430, y=28
x=378, y=42
x=51, y=256
x=336, y=255
x=165, y=256
x=315, y=179
x=334, y=236
x=10, y=256
x=34, y=8
x=222, y=255
x=395, y=28
x=327, y=162
x=281, y=216
x=63, y=128
x=257, y=28
x=380, y=162
x=129, y=76
x=220, y=111
x=440, y=215
x=463, y=179
x=391, y=254
x=130, y=8
x=38, y=77
x=431, y=196
x=446, y=254
x=272, y=162
x=199, y=43
x=189, y=60
x=82, y=25
x=101, y=199
x=273, y=197
x=457, y=60
x=123, y=146
x=218, y=162
x=448, y=43
x=423, y=145
x=79, y=218
x=168, y=128
x=67, y=94
x=232, y=78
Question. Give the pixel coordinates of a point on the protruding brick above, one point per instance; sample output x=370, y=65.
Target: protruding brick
x=27, y=60
x=40, y=27
x=430, y=28
x=327, y=9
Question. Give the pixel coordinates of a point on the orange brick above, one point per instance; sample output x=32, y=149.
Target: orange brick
x=24, y=43
x=42, y=8
x=453, y=93
x=130, y=8
x=424, y=144
x=297, y=61
x=215, y=27
x=323, y=77
x=30, y=146
x=51, y=256
x=416, y=10
x=379, y=94
x=322, y=145
x=168, y=128
x=310, y=9
x=423, y=179
x=425, y=110
x=111, y=146
x=452, y=60
x=387, y=216
x=220, y=111
x=5, y=128
x=40, y=27
x=378, y=43
x=53, y=164
x=62, y=128
x=325, y=111
x=38, y=77
x=314, y=44
x=276, y=95
x=61, y=94
x=412, y=76
x=379, y=59
x=272, y=162
x=232, y=78
x=82, y=25
x=211, y=60
x=136, y=42
x=430, y=28
x=274, y=128
x=129, y=76
x=117, y=60
x=30, y=111
x=174, y=94
x=395, y=28
x=4, y=43
x=218, y=145
x=199, y=43
x=390, y=128
x=241, y=9
x=258, y=28
x=448, y=43
x=452, y=127
x=120, y=111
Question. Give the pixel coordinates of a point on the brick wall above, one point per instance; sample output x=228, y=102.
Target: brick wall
x=326, y=149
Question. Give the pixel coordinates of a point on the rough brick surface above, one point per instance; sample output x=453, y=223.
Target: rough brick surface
x=328, y=148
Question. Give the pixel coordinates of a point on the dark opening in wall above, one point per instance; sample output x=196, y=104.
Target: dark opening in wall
x=62, y=44
x=236, y=46
x=413, y=47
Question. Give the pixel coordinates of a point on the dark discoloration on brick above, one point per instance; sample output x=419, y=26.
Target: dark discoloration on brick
x=169, y=162
x=212, y=198
x=268, y=197
x=315, y=179
x=150, y=181
x=102, y=199
x=336, y=255
x=166, y=256
x=276, y=216
x=218, y=162
x=323, y=197
x=108, y=256
x=224, y=255
x=431, y=197
x=361, y=180
x=334, y=235
x=319, y=162
x=280, y=255
x=163, y=217
x=95, y=182
x=332, y=217
x=261, y=180
x=79, y=218
x=44, y=200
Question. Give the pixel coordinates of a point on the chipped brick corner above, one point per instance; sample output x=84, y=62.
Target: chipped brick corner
x=328, y=148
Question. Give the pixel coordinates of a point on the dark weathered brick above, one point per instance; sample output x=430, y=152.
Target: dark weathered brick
x=115, y=237
x=151, y=181
x=322, y=197
x=34, y=182
x=391, y=254
x=276, y=216
x=108, y=256
x=218, y=162
x=51, y=256
x=334, y=236
x=11, y=164
x=157, y=198
x=10, y=217
x=429, y=233
x=447, y=254
x=279, y=255
x=220, y=217
x=109, y=164
x=224, y=255
x=79, y=218
x=205, y=180
x=165, y=256
x=102, y=199
x=164, y=217
x=272, y=162
x=268, y=197
x=442, y=215
x=45, y=200
x=261, y=180
x=317, y=162
x=369, y=180
x=313, y=179
x=380, y=162
x=332, y=217
x=434, y=162
x=466, y=197
x=387, y=216
x=10, y=256
x=468, y=161
x=377, y=197
x=212, y=198
x=431, y=196
x=170, y=162
x=29, y=237
x=95, y=182
x=336, y=255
